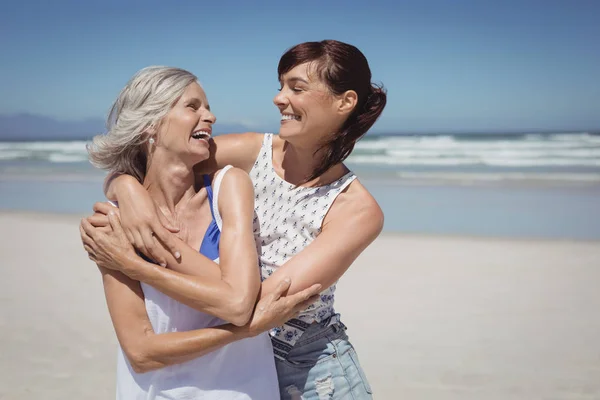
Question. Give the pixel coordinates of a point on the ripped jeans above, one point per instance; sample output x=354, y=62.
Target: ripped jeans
x=322, y=365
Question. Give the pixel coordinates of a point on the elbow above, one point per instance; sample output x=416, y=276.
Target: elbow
x=241, y=311
x=139, y=358
x=141, y=364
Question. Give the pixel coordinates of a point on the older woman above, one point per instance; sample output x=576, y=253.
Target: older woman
x=313, y=217
x=159, y=129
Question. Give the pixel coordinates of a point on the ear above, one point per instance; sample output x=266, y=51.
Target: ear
x=347, y=102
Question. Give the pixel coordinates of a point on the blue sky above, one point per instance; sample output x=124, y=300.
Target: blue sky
x=448, y=65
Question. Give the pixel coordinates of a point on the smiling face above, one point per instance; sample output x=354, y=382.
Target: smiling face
x=309, y=111
x=187, y=128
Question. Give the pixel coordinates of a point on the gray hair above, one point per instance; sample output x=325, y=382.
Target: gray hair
x=141, y=105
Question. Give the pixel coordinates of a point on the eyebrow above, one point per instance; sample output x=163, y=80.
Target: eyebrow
x=297, y=79
x=198, y=101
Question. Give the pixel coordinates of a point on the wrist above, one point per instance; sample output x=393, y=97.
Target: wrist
x=247, y=331
x=254, y=329
x=132, y=266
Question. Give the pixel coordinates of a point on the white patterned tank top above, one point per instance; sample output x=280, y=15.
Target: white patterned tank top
x=287, y=218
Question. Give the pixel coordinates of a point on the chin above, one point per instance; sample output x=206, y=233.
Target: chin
x=195, y=157
x=288, y=132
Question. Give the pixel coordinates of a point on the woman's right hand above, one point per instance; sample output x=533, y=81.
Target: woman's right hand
x=143, y=224
x=276, y=308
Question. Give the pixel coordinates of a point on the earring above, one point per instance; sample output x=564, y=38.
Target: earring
x=151, y=140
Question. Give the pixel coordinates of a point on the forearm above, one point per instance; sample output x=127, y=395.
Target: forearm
x=192, y=263
x=207, y=294
x=159, y=351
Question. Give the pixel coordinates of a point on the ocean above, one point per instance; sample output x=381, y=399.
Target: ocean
x=543, y=185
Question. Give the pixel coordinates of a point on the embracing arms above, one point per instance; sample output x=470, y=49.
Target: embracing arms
x=352, y=223
x=147, y=350
x=229, y=290
x=145, y=226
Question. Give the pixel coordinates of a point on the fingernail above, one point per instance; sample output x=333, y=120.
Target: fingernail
x=177, y=254
x=287, y=280
x=163, y=264
x=112, y=213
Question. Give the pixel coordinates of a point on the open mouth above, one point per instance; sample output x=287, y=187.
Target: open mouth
x=290, y=117
x=201, y=135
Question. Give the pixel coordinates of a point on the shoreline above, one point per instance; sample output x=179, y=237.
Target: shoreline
x=74, y=216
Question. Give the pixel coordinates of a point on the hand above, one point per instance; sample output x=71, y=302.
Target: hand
x=144, y=226
x=100, y=221
x=108, y=249
x=275, y=309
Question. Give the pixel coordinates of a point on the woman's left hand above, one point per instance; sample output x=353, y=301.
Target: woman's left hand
x=107, y=248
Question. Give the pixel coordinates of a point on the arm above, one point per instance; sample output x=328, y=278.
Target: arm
x=144, y=225
x=353, y=222
x=349, y=228
x=147, y=351
x=228, y=291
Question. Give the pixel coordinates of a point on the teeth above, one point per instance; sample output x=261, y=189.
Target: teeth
x=289, y=117
x=200, y=134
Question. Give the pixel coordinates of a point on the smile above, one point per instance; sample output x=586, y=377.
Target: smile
x=201, y=135
x=290, y=117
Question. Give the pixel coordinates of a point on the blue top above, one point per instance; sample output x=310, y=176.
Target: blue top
x=210, y=243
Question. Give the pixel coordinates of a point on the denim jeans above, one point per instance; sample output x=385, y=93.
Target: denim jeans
x=322, y=365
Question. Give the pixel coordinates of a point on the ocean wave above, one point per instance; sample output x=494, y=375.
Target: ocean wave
x=483, y=161
x=54, y=152
x=552, y=151
x=499, y=177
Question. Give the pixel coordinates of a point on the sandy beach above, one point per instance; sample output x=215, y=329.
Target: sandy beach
x=432, y=317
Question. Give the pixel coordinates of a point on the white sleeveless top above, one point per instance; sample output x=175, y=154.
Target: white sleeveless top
x=287, y=218
x=242, y=370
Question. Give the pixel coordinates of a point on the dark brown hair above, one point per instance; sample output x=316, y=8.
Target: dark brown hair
x=341, y=67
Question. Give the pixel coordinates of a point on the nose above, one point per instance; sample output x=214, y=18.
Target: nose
x=209, y=117
x=280, y=100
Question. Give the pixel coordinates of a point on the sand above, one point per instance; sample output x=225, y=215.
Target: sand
x=431, y=317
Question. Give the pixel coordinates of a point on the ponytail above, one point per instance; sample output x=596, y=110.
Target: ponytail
x=356, y=126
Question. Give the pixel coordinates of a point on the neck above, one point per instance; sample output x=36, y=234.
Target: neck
x=298, y=162
x=170, y=182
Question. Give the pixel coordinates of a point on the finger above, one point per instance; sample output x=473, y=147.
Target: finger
x=89, y=250
x=88, y=228
x=98, y=220
x=115, y=223
x=166, y=238
x=138, y=243
x=103, y=207
x=130, y=237
x=152, y=246
x=85, y=238
x=165, y=223
x=306, y=293
x=281, y=288
x=87, y=241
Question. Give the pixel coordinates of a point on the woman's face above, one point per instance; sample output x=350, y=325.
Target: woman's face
x=308, y=109
x=187, y=128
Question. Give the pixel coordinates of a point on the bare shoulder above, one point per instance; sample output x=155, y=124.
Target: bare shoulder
x=238, y=146
x=356, y=207
x=240, y=139
x=233, y=178
x=237, y=149
x=236, y=186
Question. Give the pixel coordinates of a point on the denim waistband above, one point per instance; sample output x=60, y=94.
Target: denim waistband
x=317, y=330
